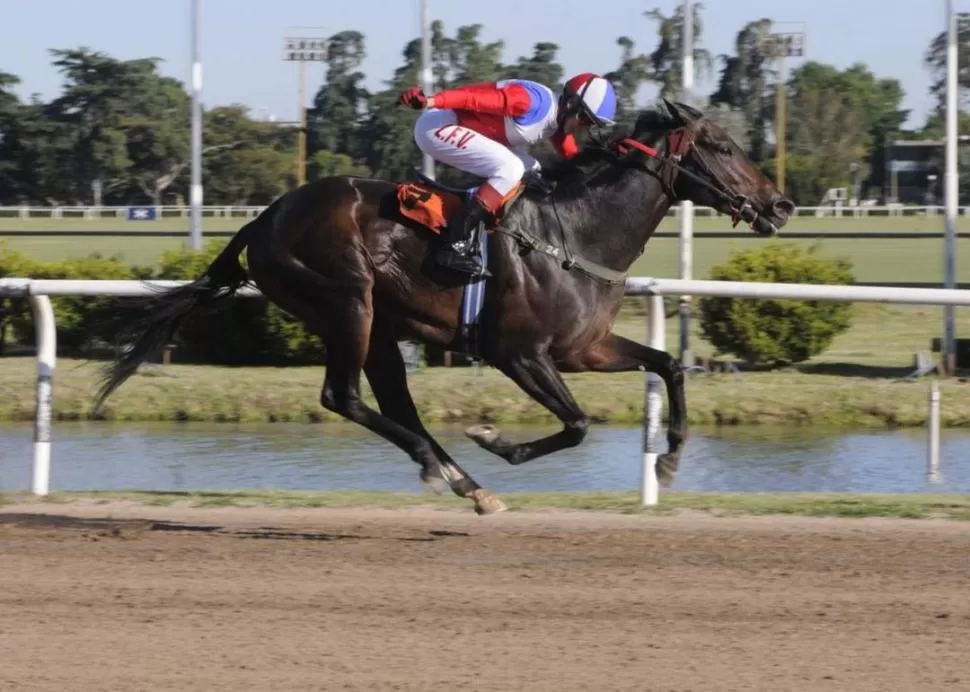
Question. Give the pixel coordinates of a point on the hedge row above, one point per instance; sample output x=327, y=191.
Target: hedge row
x=250, y=331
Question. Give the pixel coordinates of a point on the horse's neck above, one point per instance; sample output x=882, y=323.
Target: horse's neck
x=611, y=225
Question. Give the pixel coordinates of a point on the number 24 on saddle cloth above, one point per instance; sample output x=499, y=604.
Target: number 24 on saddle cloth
x=427, y=206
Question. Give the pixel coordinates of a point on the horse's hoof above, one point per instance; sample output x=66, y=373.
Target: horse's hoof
x=487, y=503
x=434, y=483
x=483, y=434
x=666, y=469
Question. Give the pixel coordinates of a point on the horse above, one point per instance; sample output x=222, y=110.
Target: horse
x=338, y=254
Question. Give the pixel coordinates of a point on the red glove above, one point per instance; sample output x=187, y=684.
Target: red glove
x=413, y=98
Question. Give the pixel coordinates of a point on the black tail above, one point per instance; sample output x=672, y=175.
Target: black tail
x=164, y=311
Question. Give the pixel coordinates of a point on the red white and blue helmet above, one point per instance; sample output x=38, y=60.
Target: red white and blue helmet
x=591, y=95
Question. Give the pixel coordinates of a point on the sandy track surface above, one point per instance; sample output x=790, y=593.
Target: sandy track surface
x=123, y=597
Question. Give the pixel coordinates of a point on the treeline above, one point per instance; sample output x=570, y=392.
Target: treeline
x=119, y=131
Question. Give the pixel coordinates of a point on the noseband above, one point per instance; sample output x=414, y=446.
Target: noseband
x=679, y=142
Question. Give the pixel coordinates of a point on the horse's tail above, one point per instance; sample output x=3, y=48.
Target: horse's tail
x=163, y=312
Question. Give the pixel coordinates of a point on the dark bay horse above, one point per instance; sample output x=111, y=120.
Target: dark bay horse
x=337, y=255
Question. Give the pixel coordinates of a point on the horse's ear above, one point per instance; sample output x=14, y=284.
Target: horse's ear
x=682, y=112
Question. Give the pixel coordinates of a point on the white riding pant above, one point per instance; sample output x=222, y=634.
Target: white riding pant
x=438, y=134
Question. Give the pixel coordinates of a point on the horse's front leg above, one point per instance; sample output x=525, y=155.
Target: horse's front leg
x=617, y=354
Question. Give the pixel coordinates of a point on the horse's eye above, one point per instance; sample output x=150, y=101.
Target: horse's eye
x=724, y=149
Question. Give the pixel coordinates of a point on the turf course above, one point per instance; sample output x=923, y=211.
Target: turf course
x=875, y=259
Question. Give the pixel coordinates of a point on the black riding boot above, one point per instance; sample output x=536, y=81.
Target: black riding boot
x=459, y=251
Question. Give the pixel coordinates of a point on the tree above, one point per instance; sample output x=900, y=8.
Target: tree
x=470, y=60
x=37, y=149
x=633, y=73
x=118, y=132
x=157, y=139
x=96, y=92
x=10, y=110
x=540, y=67
x=836, y=119
x=744, y=84
x=390, y=150
x=250, y=162
x=935, y=61
x=335, y=119
x=9, y=102
x=667, y=59
x=878, y=103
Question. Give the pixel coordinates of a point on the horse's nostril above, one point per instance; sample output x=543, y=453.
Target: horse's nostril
x=783, y=207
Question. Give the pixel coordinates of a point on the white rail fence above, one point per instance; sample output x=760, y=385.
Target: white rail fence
x=93, y=213
x=38, y=293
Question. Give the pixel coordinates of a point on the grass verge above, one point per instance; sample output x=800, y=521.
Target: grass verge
x=901, y=505
x=852, y=385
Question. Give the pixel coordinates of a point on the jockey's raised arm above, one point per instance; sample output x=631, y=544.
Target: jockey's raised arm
x=485, y=129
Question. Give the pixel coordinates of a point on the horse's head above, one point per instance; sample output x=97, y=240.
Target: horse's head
x=700, y=162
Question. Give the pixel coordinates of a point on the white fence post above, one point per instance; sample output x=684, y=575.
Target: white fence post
x=933, y=433
x=653, y=406
x=46, y=329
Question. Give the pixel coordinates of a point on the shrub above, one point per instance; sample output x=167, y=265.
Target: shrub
x=247, y=331
x=82, y=321
x=776, y=332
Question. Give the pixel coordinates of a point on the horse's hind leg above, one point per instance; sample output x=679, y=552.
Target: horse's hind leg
x=536, y=376
x=342, y=318
x=387, y=376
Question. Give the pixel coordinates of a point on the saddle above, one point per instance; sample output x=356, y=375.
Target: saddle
x=430, y=203
x=433, y=204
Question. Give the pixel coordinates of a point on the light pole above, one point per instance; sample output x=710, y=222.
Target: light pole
x=426, y=78
x=301, y=50
x=781, y=45
x=195, y=189
x=950, y=187
x=686, y=206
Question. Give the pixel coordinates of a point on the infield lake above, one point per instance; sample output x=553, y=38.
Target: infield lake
x=190, y=456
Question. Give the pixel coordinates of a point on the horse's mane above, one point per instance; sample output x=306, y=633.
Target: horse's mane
x=573, y=176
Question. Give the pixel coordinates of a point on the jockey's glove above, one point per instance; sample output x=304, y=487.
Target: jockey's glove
x=534, y=180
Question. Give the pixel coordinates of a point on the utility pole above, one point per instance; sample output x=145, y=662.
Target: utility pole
x=427, y=80
x=686, y=206
x=195, y=189
x=950, y=187
x=301, y=50
x=781, y=45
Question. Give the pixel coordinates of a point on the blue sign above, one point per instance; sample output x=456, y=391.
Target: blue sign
x=141, y=213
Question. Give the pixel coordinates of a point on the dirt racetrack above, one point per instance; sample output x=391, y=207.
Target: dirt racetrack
x=124, y=597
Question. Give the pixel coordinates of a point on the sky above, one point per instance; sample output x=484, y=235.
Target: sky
x=241, y=40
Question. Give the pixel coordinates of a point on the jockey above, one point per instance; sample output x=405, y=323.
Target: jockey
x=485, y=129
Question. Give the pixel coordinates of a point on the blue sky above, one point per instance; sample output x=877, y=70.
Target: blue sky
x=241, y=39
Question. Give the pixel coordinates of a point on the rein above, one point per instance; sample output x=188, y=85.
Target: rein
x=679, y=143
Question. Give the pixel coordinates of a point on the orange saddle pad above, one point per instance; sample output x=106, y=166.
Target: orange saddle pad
x=429, y=207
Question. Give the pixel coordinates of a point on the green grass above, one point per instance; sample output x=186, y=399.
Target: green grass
x=858, y=505
x=850, y=385
x=876, y=260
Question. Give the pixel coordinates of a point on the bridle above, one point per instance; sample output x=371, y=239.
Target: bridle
x=679, y=143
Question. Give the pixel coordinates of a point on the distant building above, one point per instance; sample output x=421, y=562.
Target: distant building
x=914, y=171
